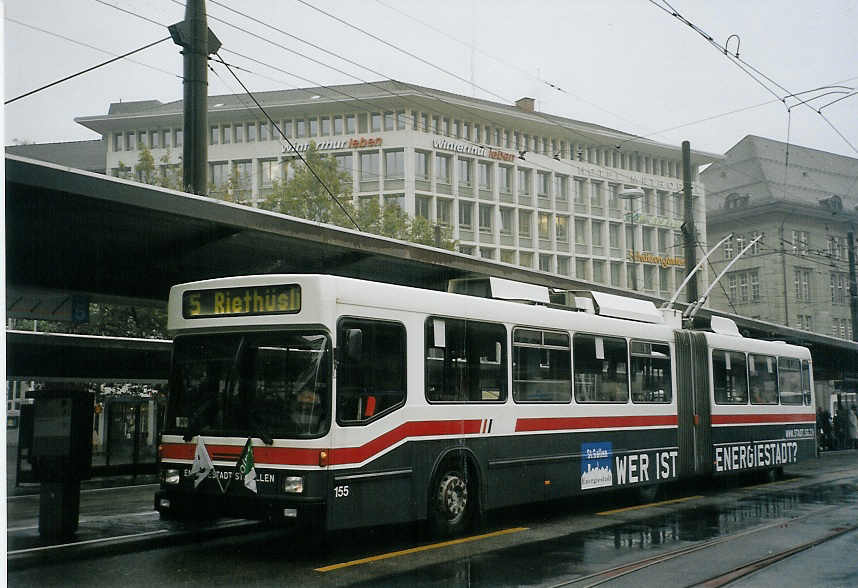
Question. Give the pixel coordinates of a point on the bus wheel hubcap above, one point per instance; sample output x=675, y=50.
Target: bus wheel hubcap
x=453, y=497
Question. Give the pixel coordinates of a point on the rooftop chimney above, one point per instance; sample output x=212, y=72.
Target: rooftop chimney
x=525, y=104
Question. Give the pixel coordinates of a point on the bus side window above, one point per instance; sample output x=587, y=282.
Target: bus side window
x=370, y=374
x=805, y=382
x=465, y=361
x=600, y=368
x=651, y=380
x=789, y=380
x=730, y=377
x=763, y=379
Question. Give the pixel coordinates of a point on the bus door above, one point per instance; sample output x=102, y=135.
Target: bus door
x=370, y=396
x=692, y=386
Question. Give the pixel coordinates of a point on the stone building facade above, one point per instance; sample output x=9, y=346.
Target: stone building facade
x=798, y=273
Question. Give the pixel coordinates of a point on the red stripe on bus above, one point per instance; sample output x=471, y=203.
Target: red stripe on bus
x=336, y=456
x=348, y=455
x=600, y=422
x=735, y=419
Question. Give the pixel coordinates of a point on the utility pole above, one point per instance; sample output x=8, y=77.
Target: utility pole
x=853, y=287
x=197, y=42
x=689, y=230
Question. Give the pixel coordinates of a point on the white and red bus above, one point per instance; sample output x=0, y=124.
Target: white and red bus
x=341, y=403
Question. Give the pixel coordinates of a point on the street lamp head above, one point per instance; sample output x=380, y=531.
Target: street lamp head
x=630, y=193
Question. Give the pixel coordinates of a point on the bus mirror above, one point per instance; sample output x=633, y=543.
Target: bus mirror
x=354, y=343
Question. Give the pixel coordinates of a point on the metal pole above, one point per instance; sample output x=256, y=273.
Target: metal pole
x=688, y=227
x=634, y=238
x=192, y=35
x=853, y=286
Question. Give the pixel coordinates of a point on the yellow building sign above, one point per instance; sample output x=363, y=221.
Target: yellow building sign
x=662, y=260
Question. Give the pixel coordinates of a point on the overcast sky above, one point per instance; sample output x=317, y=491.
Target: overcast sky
x=625, y=64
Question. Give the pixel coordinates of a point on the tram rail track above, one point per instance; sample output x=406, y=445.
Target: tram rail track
x=604, y=576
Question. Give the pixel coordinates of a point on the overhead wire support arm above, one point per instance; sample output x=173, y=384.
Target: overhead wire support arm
x=692, y=309
x=669, y=304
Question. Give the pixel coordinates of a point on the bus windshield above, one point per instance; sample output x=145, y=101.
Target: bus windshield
x=265, y=385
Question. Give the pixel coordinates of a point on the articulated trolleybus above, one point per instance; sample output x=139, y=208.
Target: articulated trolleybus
x=340, y=403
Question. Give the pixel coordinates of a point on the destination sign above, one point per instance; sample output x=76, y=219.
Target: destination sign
x=244, y=301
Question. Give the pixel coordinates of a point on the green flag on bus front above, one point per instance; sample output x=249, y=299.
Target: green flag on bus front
x=246, y=467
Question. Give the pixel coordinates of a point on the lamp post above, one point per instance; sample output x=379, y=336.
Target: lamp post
x=632, y=194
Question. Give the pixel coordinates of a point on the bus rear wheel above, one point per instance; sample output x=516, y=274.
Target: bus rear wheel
x=452, y=504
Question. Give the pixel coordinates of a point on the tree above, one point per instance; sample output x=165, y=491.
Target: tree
x=301, y=194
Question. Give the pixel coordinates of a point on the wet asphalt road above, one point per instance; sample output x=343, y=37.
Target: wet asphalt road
x=558, y=544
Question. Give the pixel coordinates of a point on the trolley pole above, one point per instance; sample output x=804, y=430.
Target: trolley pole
x=689, y=230
x=853, y=286
x=197, y=42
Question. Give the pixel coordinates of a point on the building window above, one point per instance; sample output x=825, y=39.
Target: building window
x=544, y=222
x=375, y=122
x=561, y=228
x=326, y=126
x=395, y=200
x=802, y=285
x=544, y=262
x=744, y=286
x=214, y=135
x=614, y=235
x=524, y=221
x=616, y=274
x=313, y=127
x=507, y=255
x=505, y=179
x=457, y=129
x=596, y=236
x=421, y=165
x=369, y=166
x=394, y=164
x=466, y=214
x=596, y=198
x=649, y=277
x=523, y=181
x=580, y=231
x=268, y=170
x=646, y=234
x=543, y=183
x=465, y=171
x=839, y=288
x=350, y=124
x=251, y=132
x=400, y=120
x=442, y=168
x=486, y=214
x=729, y=250
x=180, y=135
x=442, y=210
x=361, y=123
x=599, y=271
x=218, y=173
x=663, y=276
x=800, y=242
x=485, y=172
x=338, y=125
x=562, y=265
x=561, y=188
x=388, y=121
x=422, y=206
x=580, y=192
x=264, y=131
x=805, y=322
x=345, y=163
x=525, y=259
x=506, y=216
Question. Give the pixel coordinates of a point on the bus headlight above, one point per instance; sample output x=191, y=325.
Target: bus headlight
x=293, y=484
x=171, y=477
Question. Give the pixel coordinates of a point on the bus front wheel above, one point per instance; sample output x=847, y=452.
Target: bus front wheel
x=452, y=503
